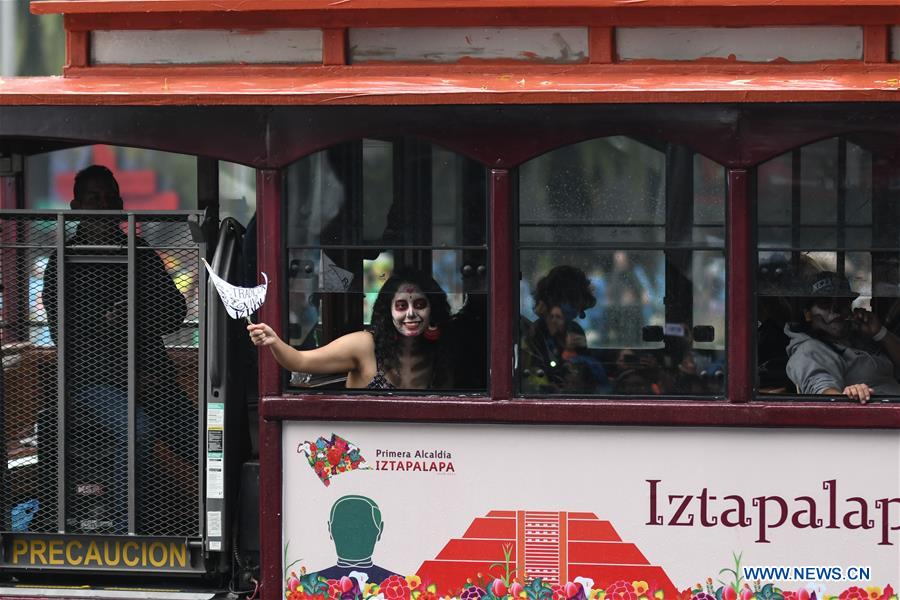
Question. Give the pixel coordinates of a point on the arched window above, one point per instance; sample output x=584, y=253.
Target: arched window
x=361, y=210
x=827, y=248
x=622, y=266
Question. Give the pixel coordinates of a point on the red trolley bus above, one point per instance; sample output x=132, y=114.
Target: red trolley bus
x=656, y=231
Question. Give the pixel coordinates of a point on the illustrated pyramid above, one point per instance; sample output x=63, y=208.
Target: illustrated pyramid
x=555, y=546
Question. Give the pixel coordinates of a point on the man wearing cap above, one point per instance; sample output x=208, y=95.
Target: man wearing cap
x=838, y=350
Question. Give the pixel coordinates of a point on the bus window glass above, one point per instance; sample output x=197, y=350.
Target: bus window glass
x=358, y=213
x=827, y=272
x=621, y=254
x=150, y=179
x=709, y=225
x=237, y=192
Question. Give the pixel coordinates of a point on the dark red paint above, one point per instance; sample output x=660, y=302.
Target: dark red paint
x=502, y=307
x=270, y=260
x=739, y=309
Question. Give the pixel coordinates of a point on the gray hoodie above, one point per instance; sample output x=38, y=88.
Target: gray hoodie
x=814, y=366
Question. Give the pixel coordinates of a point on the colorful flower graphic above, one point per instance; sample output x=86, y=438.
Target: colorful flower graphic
x=332, y=457
x=484, y=586
x=396, y=588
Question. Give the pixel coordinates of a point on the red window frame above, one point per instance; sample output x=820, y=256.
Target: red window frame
x=500, y=405
x=740, y=406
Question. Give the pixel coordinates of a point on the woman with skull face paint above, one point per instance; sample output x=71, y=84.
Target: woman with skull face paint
x=838, y=350
x=406, y=347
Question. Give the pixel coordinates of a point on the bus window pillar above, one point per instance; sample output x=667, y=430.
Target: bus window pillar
x=208, y=194
x=270, y=260
x=740, y=329
x=501, y=284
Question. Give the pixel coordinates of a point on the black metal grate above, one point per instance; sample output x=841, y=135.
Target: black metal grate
x=29, y=486
x=155, y=360
x=168, y=385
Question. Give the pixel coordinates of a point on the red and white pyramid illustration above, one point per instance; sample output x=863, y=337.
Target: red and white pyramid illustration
x=555, y=546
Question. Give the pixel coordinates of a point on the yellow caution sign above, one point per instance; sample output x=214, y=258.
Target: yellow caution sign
x=80, y=552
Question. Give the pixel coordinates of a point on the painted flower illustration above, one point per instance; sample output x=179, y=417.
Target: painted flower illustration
x=330, y=457
x=473, y=592
x=621, y=590
x=854, y=593
x=485, y=586
x=396, y=588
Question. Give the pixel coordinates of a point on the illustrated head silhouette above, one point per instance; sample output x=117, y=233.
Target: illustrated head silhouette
x=355, y=525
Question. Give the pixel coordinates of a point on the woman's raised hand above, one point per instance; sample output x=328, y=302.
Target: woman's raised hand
x=261, y=334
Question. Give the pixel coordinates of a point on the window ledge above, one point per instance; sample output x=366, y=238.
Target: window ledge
x=700, y=412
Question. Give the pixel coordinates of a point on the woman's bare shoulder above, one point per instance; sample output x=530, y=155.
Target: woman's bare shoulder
x=362, y=340
x=361, y=344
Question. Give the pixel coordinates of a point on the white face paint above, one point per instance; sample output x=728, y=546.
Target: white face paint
x=831, y=320
x=410, y=310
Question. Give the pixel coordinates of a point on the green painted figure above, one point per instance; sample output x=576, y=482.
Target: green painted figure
x=355, y=525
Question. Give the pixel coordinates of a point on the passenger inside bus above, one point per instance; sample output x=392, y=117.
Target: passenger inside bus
x=554, y=350
x=678, y=368
x=840, y=350
x=773, y=312
x=585, y=371
x=780, y=280
x=96, y=358
x=407, y=347
x=688, y=370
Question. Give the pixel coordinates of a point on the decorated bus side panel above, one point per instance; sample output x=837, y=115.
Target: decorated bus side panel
x=391, y=511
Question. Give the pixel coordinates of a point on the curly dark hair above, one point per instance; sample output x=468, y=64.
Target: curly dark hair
x=387, y=339
x=564, y=284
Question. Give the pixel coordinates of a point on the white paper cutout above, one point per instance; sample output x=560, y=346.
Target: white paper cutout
x=240, y=302
x=334, y=278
